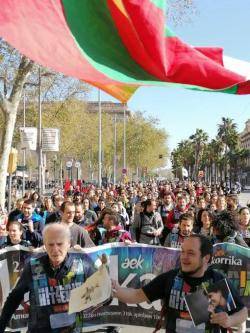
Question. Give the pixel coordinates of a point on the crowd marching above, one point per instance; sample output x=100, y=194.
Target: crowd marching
x=187, y=215
x=150, y=213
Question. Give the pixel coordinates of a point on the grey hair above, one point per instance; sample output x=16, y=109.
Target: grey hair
x=64, y=230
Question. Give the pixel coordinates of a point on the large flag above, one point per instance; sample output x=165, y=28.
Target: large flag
x=116, y=45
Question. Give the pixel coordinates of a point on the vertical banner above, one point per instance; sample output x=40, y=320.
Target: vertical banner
x=50, y=139
x=28, y=137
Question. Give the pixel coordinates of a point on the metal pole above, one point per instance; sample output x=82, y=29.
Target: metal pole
x=61, y=174
x=115, y=139
x=124, y=136
x=24, y=149
x=100, y=140
x=10, y=194
x=39, y=137
x=54, y=161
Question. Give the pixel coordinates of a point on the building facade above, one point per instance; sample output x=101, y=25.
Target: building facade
x=109, y=108
x=245, y=143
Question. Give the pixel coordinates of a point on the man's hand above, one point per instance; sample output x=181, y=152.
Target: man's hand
x=221, y=318
x=31, y=226
x=77, y=247
x=157, y=232
x=115, y=286
x=127, y=242
x=104, y=259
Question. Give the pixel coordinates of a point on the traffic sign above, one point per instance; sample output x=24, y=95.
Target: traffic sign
x=124, y=171
x=21, y=168
x=77, y=164
x=69, y=164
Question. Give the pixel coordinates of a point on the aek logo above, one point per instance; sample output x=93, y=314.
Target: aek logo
x=231, y=260
x=133, y=263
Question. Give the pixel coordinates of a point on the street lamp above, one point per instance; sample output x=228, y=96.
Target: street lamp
x=39, y=137
x=115, y=139
x=100, y=140
x=54, y=167
x=24, y=149
x=124, y=136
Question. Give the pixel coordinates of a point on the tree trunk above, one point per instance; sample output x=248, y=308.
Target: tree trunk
x=10, y=119
x=9, y=106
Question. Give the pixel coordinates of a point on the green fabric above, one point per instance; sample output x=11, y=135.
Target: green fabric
x=160, y=4
x=98, y=40
x=169, y=32
x=231, y=90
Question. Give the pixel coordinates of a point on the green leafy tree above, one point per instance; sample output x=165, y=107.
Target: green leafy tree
x=227, y=132
x=199, y=141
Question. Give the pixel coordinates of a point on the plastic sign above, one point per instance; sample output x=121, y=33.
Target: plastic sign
x=12, y=165
x=69, y=164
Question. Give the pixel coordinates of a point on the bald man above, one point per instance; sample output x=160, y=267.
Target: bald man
x=49, y=280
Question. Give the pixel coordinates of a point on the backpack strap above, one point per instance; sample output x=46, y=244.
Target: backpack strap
x=163, y=312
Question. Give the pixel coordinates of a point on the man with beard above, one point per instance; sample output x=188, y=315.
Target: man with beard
x=177, y=235
x=79, y=214
x=164, y=209
x=174, y=285
x=175, y=214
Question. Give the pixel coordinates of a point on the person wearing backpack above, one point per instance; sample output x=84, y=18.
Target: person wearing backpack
x=171, y=287
x=147, y=226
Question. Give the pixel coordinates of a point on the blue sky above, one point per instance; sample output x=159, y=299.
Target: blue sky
x=223, y=23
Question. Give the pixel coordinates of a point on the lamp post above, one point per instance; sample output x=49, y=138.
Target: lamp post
x=124, y=136
x=115, y=139
x=54, y=167
x=100, y=140
x=24, y=149
x=39, y=137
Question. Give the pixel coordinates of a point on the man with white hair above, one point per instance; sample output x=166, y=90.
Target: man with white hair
x=49, y=279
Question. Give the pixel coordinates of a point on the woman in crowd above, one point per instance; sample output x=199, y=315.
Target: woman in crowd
x=48, y=208
x=15, y=233
x=35, y=197
x=204, y=224
x=244, y=223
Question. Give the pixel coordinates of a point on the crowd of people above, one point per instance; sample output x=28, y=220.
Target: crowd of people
x=151, y=213
x=187, y=215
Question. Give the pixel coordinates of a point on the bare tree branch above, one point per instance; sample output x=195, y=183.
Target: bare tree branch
x=24, y=69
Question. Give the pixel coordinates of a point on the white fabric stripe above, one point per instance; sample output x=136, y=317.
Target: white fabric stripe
x=238, y=66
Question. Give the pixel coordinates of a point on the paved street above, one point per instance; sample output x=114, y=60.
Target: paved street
x=244, y=197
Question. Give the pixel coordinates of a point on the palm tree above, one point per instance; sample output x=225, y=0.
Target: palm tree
x=216, y=148
x=183, y=157
x=227, y=132
x=199, y=140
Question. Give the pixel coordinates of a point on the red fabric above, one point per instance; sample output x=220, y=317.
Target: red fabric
x=67, y=186
x=39, y=30
x=214, y=53
x=141, y=35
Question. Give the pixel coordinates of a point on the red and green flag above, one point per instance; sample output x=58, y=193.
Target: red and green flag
x=116, y=45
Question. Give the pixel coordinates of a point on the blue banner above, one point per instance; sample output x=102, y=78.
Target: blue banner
x=132, y=266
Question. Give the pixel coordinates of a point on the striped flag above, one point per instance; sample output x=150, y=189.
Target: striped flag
x=116, y=45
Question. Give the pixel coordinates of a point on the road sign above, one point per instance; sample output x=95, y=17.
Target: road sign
x=77, y=164
x=21, y=168
x=69, y=164
x=124, y=171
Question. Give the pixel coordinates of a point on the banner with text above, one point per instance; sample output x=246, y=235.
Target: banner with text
x=28, y=137
x=50, y=139
x=132, y=266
